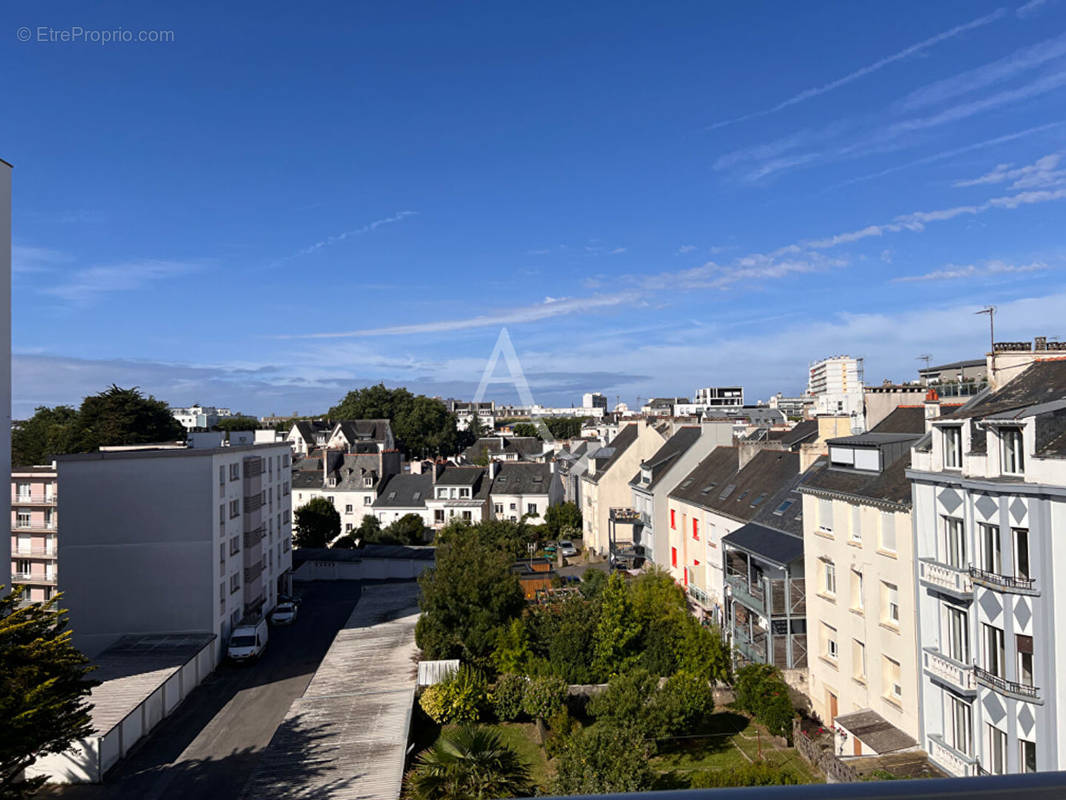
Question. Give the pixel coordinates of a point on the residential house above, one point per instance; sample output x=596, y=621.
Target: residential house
x=523, y=490
x=400, y=495
x=306, y=436
x=34, y=528
x=605, y=484
x=362, y=436
x=459, y=493
x=173, y=540
x=351, y=482
x=989, y=511
x=503, y=448
x=465, y=413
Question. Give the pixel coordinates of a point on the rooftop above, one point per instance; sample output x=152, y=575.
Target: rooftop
x=1040, y=383
x=665, y=456
x=767, y=543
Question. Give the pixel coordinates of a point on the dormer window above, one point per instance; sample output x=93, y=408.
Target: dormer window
x=332, y=481
x=368, y=481
x=1013, y=458
x=953, y=447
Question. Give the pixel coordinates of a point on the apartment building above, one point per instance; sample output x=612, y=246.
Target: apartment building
x=719, y=396
x=200, y=417
x=605, y=484
x=836, y=384
x=351, y=482
x=401, y=495
x=173, y=540
x=5, y=325
x=989, y=510
x=465, y=413
x=523, y=490
x=503, y=448
x=860, y=587
x=594, y=400
x=459, y=493
x=34, y=527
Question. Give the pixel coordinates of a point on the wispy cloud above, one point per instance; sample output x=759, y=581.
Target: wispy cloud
x=1030, y=8
x=86, y=285
x=551, y=307
x=340, y=237
x=954, y=272
x=906, y=52
x=685, y=248
x=26, y=259
x=1041, y=173
x=750, y=269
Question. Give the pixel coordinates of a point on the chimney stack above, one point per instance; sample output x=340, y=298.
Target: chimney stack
x=932, y=408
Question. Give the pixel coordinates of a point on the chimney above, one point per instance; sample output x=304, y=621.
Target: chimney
x=1040, y=343
x=932, y=408
x=494, y=469
x=436, y=471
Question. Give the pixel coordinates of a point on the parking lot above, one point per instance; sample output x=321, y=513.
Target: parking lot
x=210, y=745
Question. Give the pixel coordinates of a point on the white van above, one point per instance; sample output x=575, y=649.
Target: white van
x=247, y=642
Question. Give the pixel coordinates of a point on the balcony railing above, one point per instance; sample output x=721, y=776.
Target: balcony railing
x=253, y=572
x=992, y=681
x=27, y=577
x=253, y=502
x=35, y=552
x=954, y=761
x=1005, y=583
x=254, y=537
x=949, y=670
x=942, y=576
x=36, y=499
x=625, y=515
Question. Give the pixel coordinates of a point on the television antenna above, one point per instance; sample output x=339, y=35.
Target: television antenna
x=926, y=357
x=991, y=311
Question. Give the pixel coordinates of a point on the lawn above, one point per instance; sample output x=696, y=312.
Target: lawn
x=522, y=737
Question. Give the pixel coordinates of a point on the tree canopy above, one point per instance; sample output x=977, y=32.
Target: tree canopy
x=239, y=423
x=316, y=524
x=563, y=519
x=43, y=688
x=115, y=416
x=423, y=425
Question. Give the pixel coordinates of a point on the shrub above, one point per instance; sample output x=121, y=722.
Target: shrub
x=604, y=758
x=762, y=693
x=761, y=773
x=748, y=685
x=625, y=700
x=562, y=727
x=460, y=697
x=682, y=705
x=544, y=697
x=507, y=696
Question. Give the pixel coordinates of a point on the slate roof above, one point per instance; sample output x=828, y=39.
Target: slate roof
x=350, y=469
x=875, y=731
x=772, y=545
x=902, y=419
x=803, y=431
x=364, y=430
x=665, y=456
x=405, y=491
x=888, y=486
x=522, y=478
x=1051, y=434
x=522, y=446
x=308, y=428
x=1042, y=382
x=460, y=476
x=715, y=471
x=746, y=494
x=307, y=473
x=618, y=445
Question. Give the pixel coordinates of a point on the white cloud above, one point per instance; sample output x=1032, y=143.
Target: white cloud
x=685, y=248
x=954, y=272
x=1030, y=8
x=906, y=52
x=340, y=237
x=86, y=285
x=1043, y=172
x=25, y=259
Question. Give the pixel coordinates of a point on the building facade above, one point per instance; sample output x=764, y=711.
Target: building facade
x=836, y=384
x=594, y=400
x=34, y=528
x=200, y=417
x=175, y=540
x=719, y=397
x=989, y=508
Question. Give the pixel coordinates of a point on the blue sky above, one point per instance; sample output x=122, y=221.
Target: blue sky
x=288, y=201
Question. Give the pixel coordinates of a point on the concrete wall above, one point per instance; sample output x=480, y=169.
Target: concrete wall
x=367, y=569
x=137, y=553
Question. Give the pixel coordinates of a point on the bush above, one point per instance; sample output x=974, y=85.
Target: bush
x=507, y=696
x=762, y=693
x=604, y=758
x=544, y=697
x=761, y=773
x=748, y=685
x=625, y=700
x=562, y=727
x=682, y=705
x=460, y=697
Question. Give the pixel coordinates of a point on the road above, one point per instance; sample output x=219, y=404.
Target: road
x=208, y=748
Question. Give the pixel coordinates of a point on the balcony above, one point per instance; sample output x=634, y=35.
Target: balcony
x=1003, y=583
x=952, y=760
x=254, y=537
x=624, y=515
x=34, y=500
x=749, y=595
x=36, y=552
x=36, y=580
x=940, y=576
x=1019, y=691
x=253, y=572
x=952, y=672
x=253, y=502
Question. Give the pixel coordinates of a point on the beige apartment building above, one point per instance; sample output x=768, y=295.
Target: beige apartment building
x=34, y=526
x=860, y=585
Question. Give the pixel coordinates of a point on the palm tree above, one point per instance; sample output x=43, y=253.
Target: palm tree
x=469, y=763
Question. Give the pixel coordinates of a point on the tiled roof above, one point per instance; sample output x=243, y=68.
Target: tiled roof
x=405, y=491
x=666, y=455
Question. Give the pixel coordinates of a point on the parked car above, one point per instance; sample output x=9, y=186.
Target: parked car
x=247, y=642
x=567, y=549
x=295, y=598
x=284, y=613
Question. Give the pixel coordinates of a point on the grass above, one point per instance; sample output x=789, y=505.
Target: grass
x=522, y=738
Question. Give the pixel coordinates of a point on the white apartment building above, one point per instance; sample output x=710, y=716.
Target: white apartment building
x=350, y=482
x=719, y=397
x=200, y=417
x=523, y=490
x=34, y=528
x=989, y=509
x=594, y=400
x=860, y=588
x=5, y=327
x=836, y=384
x=173, y=540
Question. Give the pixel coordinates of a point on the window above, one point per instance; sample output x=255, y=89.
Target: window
x=531, y=508
x=467, y=516
x=888, y=532
x=696, y=530
x=959, y=729
x=1021, y=553
x=1024, y=646
x=497, y=508
x=990, y=554
x=514, y=506
x=235, y=545
x=673, y=521
x=438, y=515
x=1011, y=448
x=673, y=556
x=284, y=517
x=348, y=527
x=954, y=543
x=23, y=519
x=858, y=660
x=956, y=634
x=23, y=568
x=890, y=603
x=829, y=642
x=234, y=508
x=24, y=491
x=785, y=506
x=891, y=683
x=222, y=556
x=285, y=489
x=222, y=598
x=1026, y=756
x=825, y=515
x=829, y=577
x=348, y=508
x=234, y=472
x=234, y=583
x=367, y=500
x=221, y=475
x=993, y=647
x=285, y=461
x=25, y=543
x=464, y=492
x=856, y=523
x=857, y=602
x=997, y=750
x=953, y=447
x=368, y=481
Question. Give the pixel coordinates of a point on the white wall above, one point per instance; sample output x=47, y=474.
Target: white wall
x=366, y=569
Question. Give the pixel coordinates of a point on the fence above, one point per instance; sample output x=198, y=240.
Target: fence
x=835, y=770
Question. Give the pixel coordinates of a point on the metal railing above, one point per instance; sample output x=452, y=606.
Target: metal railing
x=998, y=581
x=253, y=572
x=35, y=499
x=253, y=502
x=994, y=681
x=253, y=537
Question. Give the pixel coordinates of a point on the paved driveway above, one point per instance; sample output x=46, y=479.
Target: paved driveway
x=208, y=748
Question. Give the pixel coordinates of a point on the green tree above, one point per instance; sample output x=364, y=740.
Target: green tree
x=565, y=427
x=704, y=652
x=506, y=696
x=470, y=763
x=617, y=630
x=626, y=700
x=604, y=758
x=369, y=530
x=124, y=416
x=316, y=524
x=241, y=423
x=469, y=594
x=544, y=696
x=461, y=697
x=762, y=692
x=568, y=631
x=526, y=429
x=512, y=653
x=683, y=704
x=48, y=433
x=43, y=688
x=593, y=583
x=408, y=529
x=421, y=424
x=563, y=520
